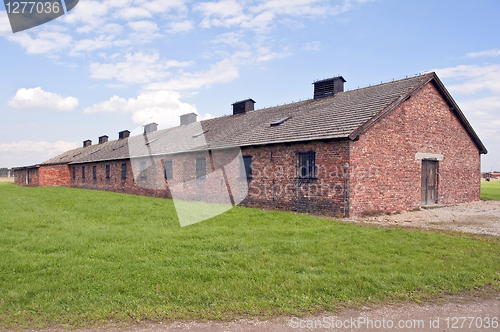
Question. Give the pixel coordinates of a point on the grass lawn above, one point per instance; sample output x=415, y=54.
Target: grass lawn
x=490, y=190
x=80, y=257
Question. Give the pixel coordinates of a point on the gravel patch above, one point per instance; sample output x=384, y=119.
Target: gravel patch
x=482, y=217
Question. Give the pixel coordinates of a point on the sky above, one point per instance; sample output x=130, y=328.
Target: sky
x=114, y=65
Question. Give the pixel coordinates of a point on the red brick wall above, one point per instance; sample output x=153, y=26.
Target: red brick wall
x=385, y=175
x=115, y=182
x=54, y=175
x=20, y=177
x=274, y=180
x=273, y=184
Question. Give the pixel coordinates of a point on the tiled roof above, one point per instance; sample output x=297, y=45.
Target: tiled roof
x=111, y=150
x=332, y=117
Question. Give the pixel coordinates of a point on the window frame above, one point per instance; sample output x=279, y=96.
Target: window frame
x=94, y=172
x=124, y=171
x=83, y=172
x=306, y=161
x=168, y=171
x=201, y=172
x=108, y=171
x=247, y=167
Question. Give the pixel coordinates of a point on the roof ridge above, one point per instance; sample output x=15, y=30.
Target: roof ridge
x=390, y=82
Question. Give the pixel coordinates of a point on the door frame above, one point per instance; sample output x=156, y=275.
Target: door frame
x=429, y=182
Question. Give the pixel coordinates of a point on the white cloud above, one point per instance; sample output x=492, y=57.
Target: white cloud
x=162, y=107
x=265, y=54
x=4, y=23
x=90, y=13
x=301, y=7
x=88, y=45
x=484, y=113
x=225, y=13
x=495, y=52
x=146, y=27
x=181, y=26
x=160, y=6
x=30, y=146
x=46, y=42
x=137, y=68
x=262, y=17
x=224, y=71
x=29, y=153
x=133, y=13
x=312, y=46
x=261, y=22
x=111, y=28
x=472, y=78
x=38, y=99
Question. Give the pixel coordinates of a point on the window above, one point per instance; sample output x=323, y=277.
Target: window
x=83, y=172
x=201, y=168
x=74, y=172
x=200, y=133
x=306, y=165
x=280, y=121
x=107, y=171
x=144, y=170
x=247, y=161
x=168, y=169
x=124, y=171
x=94, y=173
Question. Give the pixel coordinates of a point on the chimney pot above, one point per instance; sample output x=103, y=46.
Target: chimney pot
x=103, y=139
x=188, y=118
x=87, y=143
x=328, y=87
x=123, y=134
x=153, y=126
x=241, y=107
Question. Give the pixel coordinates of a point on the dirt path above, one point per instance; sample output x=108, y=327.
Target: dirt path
x=482, y=314
x=481, y=217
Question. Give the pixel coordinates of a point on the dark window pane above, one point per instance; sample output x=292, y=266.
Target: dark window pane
x=124, y=171
x=247, y=161
x=107, y=171
x=168, y=169
x=83, y=172
x=201, y=167
x=306, y=164
x=94, y=175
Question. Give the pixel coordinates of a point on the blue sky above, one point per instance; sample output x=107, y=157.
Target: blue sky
x=112, y=65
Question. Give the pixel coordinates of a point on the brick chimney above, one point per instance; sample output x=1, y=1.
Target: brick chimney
x=153, y=126
x=103, y=139
x=328, y=87
x=241, y=107
x=123, y=134
x=188, y=118
x=87, y=143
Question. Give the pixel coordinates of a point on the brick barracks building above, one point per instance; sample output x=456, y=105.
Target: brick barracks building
x=389, y=147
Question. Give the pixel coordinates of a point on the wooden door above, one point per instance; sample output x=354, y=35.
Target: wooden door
x=429, y=181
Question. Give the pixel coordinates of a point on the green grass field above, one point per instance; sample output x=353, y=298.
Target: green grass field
x=490, y=190
x=80, y=258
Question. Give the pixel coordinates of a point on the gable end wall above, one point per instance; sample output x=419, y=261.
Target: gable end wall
x=385, y=173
